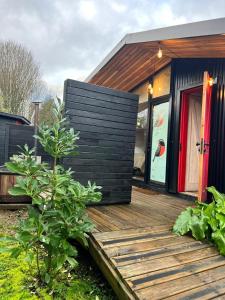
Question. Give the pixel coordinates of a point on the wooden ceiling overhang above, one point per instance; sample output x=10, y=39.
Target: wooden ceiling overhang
x=134, y=59
x=134, y=63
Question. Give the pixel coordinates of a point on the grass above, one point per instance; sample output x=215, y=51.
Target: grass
x=87, y=282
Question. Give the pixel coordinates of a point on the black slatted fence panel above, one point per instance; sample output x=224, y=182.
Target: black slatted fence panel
x=106, y=120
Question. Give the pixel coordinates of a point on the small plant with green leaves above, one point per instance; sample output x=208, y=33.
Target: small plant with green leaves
x=205, y=221
x=57, y=214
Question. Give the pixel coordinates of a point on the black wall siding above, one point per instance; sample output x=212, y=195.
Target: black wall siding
x=187, y=73
x=3, y=144
x=106, y=120
x=12, y=137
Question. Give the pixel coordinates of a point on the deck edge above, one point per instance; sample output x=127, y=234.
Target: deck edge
x=110, y=274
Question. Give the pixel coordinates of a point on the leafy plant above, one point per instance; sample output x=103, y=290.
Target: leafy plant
x=205, y=221
x=57, y=214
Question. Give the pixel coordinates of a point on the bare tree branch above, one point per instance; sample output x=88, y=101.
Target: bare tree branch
x=19, y=78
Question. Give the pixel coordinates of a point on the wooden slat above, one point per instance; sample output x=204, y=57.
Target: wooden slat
x=213, y=290
x=155, y=264
x=183, y=284
x=143, y=246
x=132, y=232
x=161, y=252
x=169, y=274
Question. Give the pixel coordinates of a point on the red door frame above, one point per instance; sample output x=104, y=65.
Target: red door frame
x=205, y=136
x=183, y=136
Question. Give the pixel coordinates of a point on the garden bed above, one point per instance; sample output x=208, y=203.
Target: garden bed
x=86, y=282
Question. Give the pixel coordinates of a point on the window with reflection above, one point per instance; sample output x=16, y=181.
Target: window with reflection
x=141, y=132
x=161, y=82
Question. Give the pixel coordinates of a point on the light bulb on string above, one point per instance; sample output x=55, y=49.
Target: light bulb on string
x=159, y=53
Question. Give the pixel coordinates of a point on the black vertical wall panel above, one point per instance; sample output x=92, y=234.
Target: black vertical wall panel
x=187, y=73
x=106, y=120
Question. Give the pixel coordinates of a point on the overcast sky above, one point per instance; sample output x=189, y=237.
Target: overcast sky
x=70, y=37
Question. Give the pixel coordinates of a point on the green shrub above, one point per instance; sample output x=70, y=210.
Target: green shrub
x=57, y=214
x=205, y=221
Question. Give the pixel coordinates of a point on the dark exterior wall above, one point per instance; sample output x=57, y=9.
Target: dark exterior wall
x=3, y=144
x=187, y=73
x=106, y=120
x=5, y=120
x=12, y=119
x=12, y=136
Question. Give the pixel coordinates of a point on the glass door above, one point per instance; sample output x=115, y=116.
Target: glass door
x=158, y=140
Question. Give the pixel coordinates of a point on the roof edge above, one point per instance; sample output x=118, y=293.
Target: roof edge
x=16, y=117
x=187, y=30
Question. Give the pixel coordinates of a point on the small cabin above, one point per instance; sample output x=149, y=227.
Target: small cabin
x=11, y=135
x=178, y=73
x=6, y=118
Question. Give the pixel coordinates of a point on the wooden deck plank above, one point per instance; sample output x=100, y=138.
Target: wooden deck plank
x=108, y=235
x=214, y=290
x=130, y=240
x=141, y=257
x=152, y=265
x=180, y=271
x=183, y=284
x=124, y=260
x=143, y=246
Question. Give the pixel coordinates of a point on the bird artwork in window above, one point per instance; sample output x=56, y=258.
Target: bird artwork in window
x=160, y=149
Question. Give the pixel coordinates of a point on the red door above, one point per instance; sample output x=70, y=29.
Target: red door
x=205, y=137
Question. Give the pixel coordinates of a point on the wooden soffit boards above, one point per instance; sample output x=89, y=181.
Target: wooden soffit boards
x=134, y=63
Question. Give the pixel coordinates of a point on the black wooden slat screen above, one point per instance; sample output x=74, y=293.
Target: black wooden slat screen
x=106, y=120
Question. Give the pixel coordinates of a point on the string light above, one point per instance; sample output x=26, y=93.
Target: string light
x=211, y=81
x=159, y=53
x=150, y=88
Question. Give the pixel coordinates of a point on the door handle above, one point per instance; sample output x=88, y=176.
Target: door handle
x=202, y=146
x=198, y=145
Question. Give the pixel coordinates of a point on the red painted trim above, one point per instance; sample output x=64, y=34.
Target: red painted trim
x=183, y=137
x=205, y=135
x=183, y=142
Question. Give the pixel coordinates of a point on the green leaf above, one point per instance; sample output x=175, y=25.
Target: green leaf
x=198, y=226
x=25, y=236
x=182, y=224
x=60, y=260
x=47, y=278
x=17, y=191
x=73, y=263
x=221, y=219
x=13, y=167
x=217, y=195
x=219, y=239
x=16, y=252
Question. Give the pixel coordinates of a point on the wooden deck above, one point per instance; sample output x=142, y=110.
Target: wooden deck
x=134, y=247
